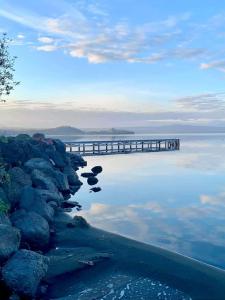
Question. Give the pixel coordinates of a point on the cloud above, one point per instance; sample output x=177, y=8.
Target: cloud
x=45, y=40
x=219, y=65
x=85, y=30
x=202, y=102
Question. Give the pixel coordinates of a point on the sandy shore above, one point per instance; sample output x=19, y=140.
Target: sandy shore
x=126, y=257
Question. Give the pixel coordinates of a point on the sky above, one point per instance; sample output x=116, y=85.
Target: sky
x=115, y=63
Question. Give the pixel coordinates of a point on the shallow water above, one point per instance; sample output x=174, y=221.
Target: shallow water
x=175, y=200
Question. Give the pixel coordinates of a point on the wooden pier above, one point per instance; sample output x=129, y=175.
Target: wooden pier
x=86, y=148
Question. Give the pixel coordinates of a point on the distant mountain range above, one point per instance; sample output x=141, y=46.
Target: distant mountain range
x=65, y=130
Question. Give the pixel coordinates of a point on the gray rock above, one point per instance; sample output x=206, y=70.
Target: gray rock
x=24, y=271
x=18, y=175
x=40, y=180
x=96, y=189
x=32, y=201
x=50, y=196
x=9, y=241
x=33, y=227
x=76, y=160
x=60, y=146
x=92, y=180
x=74, y=188
x=57, y=158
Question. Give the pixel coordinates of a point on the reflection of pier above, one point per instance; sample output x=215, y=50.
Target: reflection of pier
x=122, y=146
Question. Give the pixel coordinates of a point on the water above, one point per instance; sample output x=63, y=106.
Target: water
x=175, y=200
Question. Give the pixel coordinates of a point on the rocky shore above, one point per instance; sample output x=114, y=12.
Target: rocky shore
x=37, y=179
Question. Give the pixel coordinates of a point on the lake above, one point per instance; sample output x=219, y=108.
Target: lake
x=175, y=200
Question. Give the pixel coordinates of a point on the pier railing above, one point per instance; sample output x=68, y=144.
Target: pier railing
x=122, y=146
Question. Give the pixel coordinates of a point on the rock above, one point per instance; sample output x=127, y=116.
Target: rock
x=61, y=181
x=40, y=180
x=50, y=196
x=72, y=177
x=96, y=170
x=9, y=241
x=4, y=219
x=24, y=271
x=53, y=204
x=88, y=174
x=23, y=137
x=60, y=146
x=95, y=189
x=34, y=228
x=38, y=137
x=74, y=188
x=18, y=180
x=92, y=180
x=76, y=160
x=70, y=204
x=68, y=210
x=56, y=157
x=32, y=201
x=79, y=221
x=41, y=164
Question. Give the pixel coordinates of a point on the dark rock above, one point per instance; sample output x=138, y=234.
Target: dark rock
x=70, y=204
x=76, y=160
x=9, y=241
x=96, y=170
x=41, y=164
x=79, y=221
x=92, y=180
x=22, y=137
x=4, y=219
x=88, y=174
x=74, y=188
x=56, y=157
x=40, y=180
x=32, y=201
x=53, y=204
x=50, y=196
x=34, y=228
x=24, y=271
x=96, y=189
x=38, y=136
x=72, y=177
x=61, y=181
x=18, y=180
x=60, y=146
x=68, y=210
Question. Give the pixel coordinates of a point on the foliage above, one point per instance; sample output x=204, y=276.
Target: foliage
x=7, y=82
x=4, y=207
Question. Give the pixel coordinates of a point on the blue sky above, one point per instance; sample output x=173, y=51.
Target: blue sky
x=115, y=62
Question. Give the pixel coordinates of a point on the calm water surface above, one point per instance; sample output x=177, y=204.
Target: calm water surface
x=175, y=200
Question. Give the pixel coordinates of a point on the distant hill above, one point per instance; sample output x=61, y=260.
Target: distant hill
x=64, y=130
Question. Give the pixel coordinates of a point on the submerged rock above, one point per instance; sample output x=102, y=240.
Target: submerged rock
x=24, y=271
x=88, y=174
x=92, y=180
x=96, y=170
x=9, y=241
x=33, y=227
x=95, y=189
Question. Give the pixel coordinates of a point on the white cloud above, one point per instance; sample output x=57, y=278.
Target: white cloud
x=45, y=40
x=219, y=65
x=47, y=48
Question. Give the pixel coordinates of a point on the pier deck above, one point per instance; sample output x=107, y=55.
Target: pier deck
x=87, y=148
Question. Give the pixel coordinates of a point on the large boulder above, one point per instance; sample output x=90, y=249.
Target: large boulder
x=40, y=180
x=56, y=157
x=18, y=180
x=31, y=200
x=33, y=227
x=76, y=160
x=88, y=174
x=24, y=271
x=9, y=241
x=41, y=164
x=50, y=196
x=92, y=180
